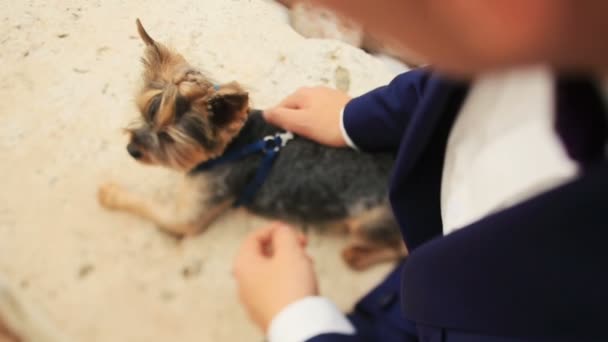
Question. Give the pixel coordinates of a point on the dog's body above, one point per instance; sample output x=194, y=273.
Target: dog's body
x=188, y=121
x=309, y=183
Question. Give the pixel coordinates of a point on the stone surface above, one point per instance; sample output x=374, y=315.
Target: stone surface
x=69, y=72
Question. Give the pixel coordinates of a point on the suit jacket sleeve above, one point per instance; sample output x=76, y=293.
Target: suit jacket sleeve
x=335, y=338
x=377, y=120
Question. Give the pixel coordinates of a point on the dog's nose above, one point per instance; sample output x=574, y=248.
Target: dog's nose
x=134, y=151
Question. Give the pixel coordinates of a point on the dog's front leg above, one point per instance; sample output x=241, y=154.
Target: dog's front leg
x=188, y=215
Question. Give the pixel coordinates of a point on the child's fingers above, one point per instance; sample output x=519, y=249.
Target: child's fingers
x=286, y=241
x=281, y=116
x=296, y=100
x=254, y=247
x=302, y=239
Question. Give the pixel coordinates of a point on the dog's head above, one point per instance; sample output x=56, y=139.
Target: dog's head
x=185, y=118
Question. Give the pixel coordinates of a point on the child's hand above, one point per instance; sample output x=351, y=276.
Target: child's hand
x=313, y=113
x=6, y=335
x=272, y=270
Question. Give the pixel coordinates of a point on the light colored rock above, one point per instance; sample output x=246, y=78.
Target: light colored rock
x=69, y=72
x=319, y=22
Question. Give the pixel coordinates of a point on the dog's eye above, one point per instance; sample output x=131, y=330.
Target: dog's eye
x=181, y=107
x=153, y=107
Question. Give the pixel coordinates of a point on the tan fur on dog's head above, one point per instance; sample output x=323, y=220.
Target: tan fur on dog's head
x=186, y=120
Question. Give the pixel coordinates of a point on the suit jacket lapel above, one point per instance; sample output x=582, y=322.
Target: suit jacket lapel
x=416, y=184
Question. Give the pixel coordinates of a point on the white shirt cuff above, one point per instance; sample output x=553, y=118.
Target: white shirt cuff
x=307, y=318
x=345, y=136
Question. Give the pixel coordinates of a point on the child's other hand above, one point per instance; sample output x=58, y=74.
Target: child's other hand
x=313, y=113
x=272, y=270
x=6, y=335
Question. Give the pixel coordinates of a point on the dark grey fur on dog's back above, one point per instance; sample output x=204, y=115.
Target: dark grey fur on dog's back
x=308, y=183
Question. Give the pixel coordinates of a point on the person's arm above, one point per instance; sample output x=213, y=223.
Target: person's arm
x=278, y=287
x=377, y=120
x=374, y=121
x=336, y=338
x=311, y=318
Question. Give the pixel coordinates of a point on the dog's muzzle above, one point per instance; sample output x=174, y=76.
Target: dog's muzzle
x=134, y=151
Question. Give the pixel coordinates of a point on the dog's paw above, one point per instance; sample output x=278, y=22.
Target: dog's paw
x=110, y=196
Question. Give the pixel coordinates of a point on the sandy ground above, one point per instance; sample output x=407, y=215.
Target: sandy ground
x=68, y=70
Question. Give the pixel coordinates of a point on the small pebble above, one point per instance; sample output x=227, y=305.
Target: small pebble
x=85, y=270
x=342, y=78
x=167, y=295
x=102, y=49
x=193, y=269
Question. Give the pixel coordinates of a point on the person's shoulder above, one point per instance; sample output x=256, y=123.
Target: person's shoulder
x=426, y=78
x=417, y=80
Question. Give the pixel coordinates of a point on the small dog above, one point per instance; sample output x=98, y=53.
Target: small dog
x=187, y=121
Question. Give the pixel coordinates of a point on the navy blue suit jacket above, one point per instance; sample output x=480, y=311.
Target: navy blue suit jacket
x=538, y=270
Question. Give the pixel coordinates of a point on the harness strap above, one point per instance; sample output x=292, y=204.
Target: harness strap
x=269, y=146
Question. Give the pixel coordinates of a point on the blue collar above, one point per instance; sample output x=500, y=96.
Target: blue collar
x=268, y=146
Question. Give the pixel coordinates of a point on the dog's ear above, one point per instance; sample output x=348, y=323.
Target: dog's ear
x=230, y=105
x=143, y=34
x=161, y=64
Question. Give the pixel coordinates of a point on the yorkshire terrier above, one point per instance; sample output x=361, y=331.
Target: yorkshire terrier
x=188, y=123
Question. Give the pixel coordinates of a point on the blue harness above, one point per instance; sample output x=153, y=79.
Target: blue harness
x=269, y=146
